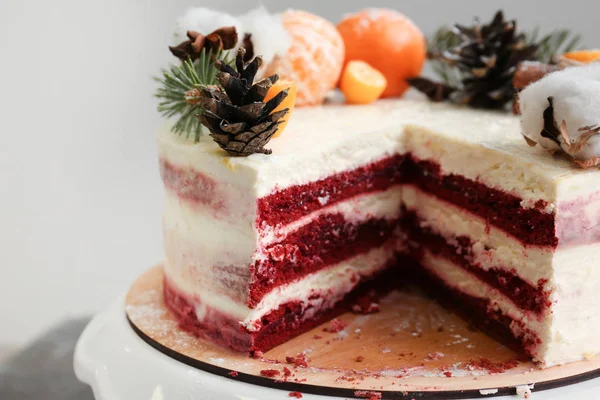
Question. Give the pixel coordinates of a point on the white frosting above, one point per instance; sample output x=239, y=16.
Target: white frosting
x=576, y=100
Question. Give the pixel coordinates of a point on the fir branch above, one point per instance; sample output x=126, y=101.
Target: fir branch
x=553, y=44
x=176, y=81
x=442, y=40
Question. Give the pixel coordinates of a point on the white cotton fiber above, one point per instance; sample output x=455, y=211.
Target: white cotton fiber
x=269, y=36
x=576, y=98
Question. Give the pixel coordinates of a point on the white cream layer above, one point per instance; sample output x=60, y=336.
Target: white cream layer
x=567, y=335
x=334, y=283
x=195, y=236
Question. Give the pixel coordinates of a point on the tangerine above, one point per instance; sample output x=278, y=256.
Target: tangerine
x=389, y=42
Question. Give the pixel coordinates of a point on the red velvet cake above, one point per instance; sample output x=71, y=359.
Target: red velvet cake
x=262, y=248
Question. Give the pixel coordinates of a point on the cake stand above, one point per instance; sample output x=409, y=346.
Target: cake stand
x=412, y=348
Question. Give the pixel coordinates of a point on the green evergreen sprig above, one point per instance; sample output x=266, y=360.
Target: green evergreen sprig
x=177, y=81
x=555, y=43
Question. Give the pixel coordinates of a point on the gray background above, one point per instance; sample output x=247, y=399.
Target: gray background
x=80, y=201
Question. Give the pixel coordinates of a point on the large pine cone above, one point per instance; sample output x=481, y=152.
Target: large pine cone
x=487, y=57
x=238, y=118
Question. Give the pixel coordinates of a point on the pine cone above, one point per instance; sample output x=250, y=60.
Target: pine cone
x=220, y=39
x=238, y=118
x=487, y=57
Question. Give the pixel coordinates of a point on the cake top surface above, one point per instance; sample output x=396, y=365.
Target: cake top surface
x=332, y=127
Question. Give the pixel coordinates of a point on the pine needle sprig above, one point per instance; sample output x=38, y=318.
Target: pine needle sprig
x=555, y=43
x=442, y=40
x=177, y=81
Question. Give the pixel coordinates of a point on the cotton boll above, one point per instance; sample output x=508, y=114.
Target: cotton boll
x=204, y=20
x=576, y=99
x=269, y=36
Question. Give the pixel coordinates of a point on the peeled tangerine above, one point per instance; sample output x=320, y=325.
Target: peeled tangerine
x=288, y=102
x=361, y=83
x=315, y=57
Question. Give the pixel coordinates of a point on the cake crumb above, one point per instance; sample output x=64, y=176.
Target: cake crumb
x=298, y=361
x=435, y=356
x=366, y=305
x=524, y=390
x=491, y=366
x=335, y=326
x=485, y=392
x=287, y=372
x=316, y=337
x=364, y=394
x=297, y=395
x=360, y=359
x=448, y=374
x=233, y=374
x=270, y=373
x=257, y=354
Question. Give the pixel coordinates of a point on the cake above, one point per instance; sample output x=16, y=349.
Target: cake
x=276, y=222
x=260, y=249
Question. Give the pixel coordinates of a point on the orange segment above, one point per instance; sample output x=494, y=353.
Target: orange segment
x=361, y=83
x=584, y=56
x=288, y=102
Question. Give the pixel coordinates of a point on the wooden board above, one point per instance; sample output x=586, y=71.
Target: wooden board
x=412, y=348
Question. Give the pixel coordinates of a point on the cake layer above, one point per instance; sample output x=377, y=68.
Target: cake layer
x=327, y=240
x=220, y=256
x=459, y=250
x=316, y=290
x=530, y=225
x=287, y=205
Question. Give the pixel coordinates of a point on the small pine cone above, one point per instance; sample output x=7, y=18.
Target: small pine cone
x=239, y=120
